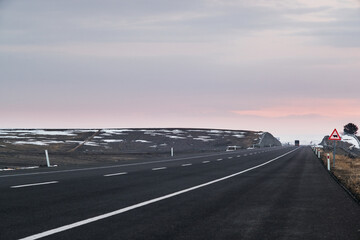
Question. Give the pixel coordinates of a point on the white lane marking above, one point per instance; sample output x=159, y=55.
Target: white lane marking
x=205, y=161
x=112, y=166
x=115, y=174
x=159, y=168
x=238, y=156
x=142, y=204
x=34, y=184
x=186, y=165
x=220, y=159
x=245, y=155
x=229, y=157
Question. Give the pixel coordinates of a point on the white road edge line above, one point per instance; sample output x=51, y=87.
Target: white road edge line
x=159, y=168
x=142, y=204
x=115, y=174
x=186, y=165
x=112, y=166
x=34, y=184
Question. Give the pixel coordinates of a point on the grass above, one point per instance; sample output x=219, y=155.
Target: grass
x=347, y=170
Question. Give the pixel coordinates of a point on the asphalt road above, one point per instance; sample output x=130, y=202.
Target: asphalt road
x=277, y=193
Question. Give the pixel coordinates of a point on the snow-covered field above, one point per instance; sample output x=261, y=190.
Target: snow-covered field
x=124, y=139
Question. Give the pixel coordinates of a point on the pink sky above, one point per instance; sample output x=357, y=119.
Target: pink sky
x=288, y=67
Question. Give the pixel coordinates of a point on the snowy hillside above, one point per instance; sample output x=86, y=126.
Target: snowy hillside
x=351, y=140
x=128, y=140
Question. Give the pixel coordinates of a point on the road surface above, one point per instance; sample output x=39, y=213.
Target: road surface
x=270, y=193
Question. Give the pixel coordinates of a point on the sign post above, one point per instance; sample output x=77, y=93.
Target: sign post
x=335, y=136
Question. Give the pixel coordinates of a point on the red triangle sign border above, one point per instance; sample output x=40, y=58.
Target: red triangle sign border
x=335, y=135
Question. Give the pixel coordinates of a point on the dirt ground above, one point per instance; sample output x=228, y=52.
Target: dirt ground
x=346, y=170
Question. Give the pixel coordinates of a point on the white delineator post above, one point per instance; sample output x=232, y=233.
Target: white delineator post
x=328, y=162
x=47, y=158
x=319, y=154
x=172, y=151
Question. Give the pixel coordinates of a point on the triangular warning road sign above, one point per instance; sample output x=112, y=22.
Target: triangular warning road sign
x=335, y=135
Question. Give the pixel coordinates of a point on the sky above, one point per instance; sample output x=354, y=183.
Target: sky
x=289, y=67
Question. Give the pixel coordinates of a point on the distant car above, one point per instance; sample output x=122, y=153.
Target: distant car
x=231, y=148
x=297, y=143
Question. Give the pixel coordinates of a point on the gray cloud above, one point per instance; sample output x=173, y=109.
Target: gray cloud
x=44, y=22
x=228, y=67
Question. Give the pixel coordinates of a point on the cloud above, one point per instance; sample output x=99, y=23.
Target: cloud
x=309, y=108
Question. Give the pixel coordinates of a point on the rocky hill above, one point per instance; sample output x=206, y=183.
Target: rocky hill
x=84, y=144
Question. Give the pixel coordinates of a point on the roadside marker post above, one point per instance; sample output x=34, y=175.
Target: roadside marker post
x=319, y=155
x=335, y=136
x=328, y=162
x=334, y=154
x=47, y=158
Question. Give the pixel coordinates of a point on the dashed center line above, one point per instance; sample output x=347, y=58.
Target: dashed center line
x=34, y=184
x=186, y=164
x=205, y=161
x=229, y=157
x=238, y=156
x=220, y=159
x=115, y=174
x=145, y=203
x=160, y=168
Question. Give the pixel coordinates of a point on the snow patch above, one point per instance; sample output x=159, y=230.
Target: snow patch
x=142, y=141
x=73, y=141
x=175, y=137
x=39, y=132
x=116, y=131
x=14, y=137
x=175, y=131
x=84, y=130
x=204, y=138
x=215, y=131
x=153, y=133
x=113, y=140
x=351, y=140
x=239, y=135
x=92, y=144
x=39, y=143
